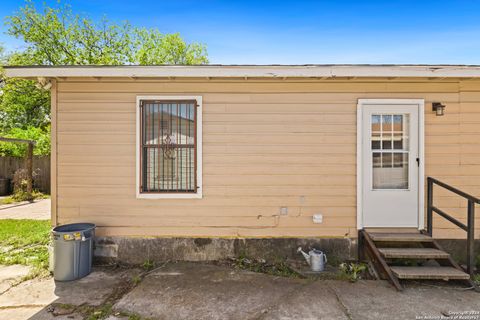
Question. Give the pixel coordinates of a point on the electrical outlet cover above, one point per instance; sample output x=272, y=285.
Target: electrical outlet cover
x=318, y=218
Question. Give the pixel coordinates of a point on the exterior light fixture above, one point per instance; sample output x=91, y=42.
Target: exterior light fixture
x=439, y=108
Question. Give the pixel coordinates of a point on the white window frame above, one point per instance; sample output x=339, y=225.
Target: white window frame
x=196, y=195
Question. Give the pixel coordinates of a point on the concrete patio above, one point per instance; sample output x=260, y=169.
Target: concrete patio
x=203, y=291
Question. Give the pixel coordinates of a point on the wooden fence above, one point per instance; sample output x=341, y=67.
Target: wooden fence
x=41, y=168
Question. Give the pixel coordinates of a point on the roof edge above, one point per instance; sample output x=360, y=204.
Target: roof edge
x=267, y=71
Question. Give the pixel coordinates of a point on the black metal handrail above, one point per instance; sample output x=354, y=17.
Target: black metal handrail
x=469, y=227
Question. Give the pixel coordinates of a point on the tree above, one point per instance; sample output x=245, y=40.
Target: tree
x=57, y=36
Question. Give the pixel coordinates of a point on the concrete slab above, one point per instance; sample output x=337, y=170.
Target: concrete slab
x=44, y=314
x=34, y=296
x=314, y=301
x=202, y=291
x=198, y=291
x=37, y=292
x=38, y=210
x=20, y=313
x=92, y=290
x=376, y=299
x=10, y=275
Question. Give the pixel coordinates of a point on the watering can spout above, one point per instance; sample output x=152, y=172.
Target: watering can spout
x=305, y=255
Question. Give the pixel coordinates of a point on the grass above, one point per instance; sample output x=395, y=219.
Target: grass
x=25, y=242
x=19, y=197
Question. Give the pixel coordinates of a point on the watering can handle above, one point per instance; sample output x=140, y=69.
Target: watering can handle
x=325, y=258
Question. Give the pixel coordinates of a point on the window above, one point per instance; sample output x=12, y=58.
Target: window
x=390, y=151
x=169, y=147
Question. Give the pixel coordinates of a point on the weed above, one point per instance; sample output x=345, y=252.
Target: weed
x=476, y=278
x=104, y=311
x=136, y=279
x=98, y=313
x=353, y=271
x=278, y=268
x=148, y=265
x=131, y=316
x=20, y=185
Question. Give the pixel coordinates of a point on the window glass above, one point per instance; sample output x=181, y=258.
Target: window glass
x=168, y=146
x=390, y=151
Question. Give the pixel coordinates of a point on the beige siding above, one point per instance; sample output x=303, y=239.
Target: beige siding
x=267, y=144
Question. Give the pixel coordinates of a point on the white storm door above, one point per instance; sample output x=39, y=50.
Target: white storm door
x=390, y=161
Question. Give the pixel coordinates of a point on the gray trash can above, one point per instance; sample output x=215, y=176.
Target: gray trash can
x=73, y=251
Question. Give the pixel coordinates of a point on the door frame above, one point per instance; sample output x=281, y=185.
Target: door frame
x=421, y=153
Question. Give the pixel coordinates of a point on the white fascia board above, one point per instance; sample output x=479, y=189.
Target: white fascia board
x=247, y=71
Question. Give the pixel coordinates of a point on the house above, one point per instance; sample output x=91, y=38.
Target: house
x=203, y=162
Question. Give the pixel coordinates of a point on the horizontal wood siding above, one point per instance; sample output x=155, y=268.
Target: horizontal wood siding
x=266, y=145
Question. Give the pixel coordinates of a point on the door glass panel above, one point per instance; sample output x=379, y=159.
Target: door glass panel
x=390, y=151
x=387, y=123
x=376, y=141
x=387, y=160
x=398, y=141
x=386, y=140
x=377, y=160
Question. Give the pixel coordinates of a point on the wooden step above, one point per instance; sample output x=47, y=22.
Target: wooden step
x=429, y=273
x=413, y=253
x=400, y=237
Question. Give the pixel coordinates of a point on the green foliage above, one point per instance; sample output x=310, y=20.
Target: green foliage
x=23, y=196
x=476, y=278
x=100, y=312
x=278, y=268
x=25, y=242
x=57, y=36
x=353, y=271
x=136, y=279
x=154, y=48
x=148, y=265
x=22, y=105
x=41, y=136
x=3, y=57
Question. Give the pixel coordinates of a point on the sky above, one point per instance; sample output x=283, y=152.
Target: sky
x=301, y=32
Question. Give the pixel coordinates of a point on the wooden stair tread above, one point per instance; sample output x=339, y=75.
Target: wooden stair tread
x=442, y=273
x=400, y=237
x=413, y=253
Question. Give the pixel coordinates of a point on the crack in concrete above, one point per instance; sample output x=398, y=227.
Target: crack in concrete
x=342, y=305
x=16, y=283
x=263, y=313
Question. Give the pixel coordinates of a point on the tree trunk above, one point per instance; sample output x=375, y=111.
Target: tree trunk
x=29, y=168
